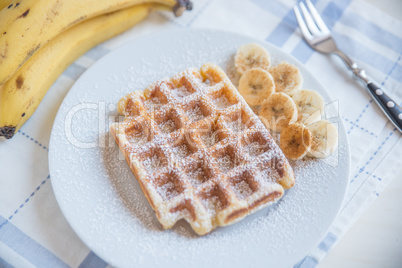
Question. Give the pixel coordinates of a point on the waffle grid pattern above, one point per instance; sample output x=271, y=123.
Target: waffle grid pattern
x=199, y=152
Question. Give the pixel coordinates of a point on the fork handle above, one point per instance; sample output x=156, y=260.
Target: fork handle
x=392, y=110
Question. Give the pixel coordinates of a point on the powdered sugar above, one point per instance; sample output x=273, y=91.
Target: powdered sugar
x=209, y=138
x=212, y=204
x=255, y=149
x=195, y=114
x=167, y=191
x=221, y=102
x=153, y=103
x=197, y=176
x=236, y=126
x=167, y=126
x=242, y=189
x=137, y=138
x=268, y=174
x=180, y=92
x=181, y=151
x=152, y=164
x=225, y=163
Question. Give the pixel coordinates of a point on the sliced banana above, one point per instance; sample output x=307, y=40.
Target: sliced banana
x=256, y=85
x=310, y=106
x=251, y=56
x=287, y=77
x=295, y=141
x=324, y=139
x=279, y=110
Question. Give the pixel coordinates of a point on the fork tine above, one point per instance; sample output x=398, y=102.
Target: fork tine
x=309, y=20
x=318, y=20
x=307, y=35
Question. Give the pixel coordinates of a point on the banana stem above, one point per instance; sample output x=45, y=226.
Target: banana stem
x=181, y=6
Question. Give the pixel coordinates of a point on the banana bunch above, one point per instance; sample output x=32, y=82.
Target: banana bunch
x=40, y=38
x=275, y=92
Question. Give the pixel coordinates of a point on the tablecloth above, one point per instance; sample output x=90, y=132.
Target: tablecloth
x=33, y=231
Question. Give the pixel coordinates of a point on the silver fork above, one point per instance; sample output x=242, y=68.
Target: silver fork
x=318, y=36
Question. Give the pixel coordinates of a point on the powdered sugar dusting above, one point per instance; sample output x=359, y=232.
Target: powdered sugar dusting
x=236, y=126
x=181, y=151
x=195, y=114
x=212, y=204
x=180, y=92
x=167, y=191
x=242, y=189
x=152, y=164
x=167, y=126
x=255, y=149
x=225, y=163
x=137, y=138
x=269, y=175
x=210, y=138
x=197, y=176
x=153, y=103
x=221, y=102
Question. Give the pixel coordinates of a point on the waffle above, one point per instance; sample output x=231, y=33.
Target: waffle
x=198, y=151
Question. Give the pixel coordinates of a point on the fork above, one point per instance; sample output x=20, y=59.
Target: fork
x=318, y=36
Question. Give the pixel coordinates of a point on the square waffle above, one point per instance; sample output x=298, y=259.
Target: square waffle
x=198, y=151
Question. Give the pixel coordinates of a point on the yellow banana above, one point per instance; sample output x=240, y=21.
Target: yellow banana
x=4, y=3
x=28, y=25
x=22, y=93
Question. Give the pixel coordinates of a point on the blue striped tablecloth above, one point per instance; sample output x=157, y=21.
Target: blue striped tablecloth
x=33, y=231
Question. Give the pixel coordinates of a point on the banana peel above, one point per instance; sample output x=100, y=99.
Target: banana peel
x=28, y=25
x=4, y=4
x=22, y=93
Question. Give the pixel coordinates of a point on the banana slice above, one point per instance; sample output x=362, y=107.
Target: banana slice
x=310, y=106
x=279, y=110
x=325, y=138
x=287, y=77
x=251, y=56
x=256, y=85
x=295, y=141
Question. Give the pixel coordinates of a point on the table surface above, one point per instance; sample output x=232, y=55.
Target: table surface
x=375, y=240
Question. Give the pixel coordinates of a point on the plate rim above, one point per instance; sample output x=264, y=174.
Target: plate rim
x=129, y=43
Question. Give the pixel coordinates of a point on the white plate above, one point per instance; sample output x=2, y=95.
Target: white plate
x=103, y=202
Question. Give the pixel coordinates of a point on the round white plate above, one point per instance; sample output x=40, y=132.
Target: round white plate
x=103, y=202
